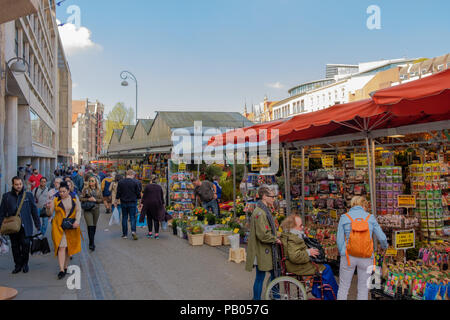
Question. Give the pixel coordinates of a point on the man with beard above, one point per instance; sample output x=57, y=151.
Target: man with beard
x=21, y=202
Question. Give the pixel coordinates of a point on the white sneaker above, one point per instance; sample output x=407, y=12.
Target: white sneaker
x=125, y=237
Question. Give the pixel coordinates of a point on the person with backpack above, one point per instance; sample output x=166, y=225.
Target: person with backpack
x=206, y=192
x=107, y=198
x=355, y=244
x=41, y=196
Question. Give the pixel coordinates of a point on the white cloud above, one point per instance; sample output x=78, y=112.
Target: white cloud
x=276, y=85
x=76, y=40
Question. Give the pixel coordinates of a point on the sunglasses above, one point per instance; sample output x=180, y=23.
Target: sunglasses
x=271, y=196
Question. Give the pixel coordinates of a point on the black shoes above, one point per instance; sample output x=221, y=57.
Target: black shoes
x=61, y=275
x=91, y=234
x=25, y=269
x=17, y=270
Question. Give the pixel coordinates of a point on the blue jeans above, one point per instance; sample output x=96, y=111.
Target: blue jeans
x=259, y=281
x=128, y=209
x=44, y=222
x=213, y=205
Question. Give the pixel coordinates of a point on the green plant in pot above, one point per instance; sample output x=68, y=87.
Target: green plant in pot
x=174, y=226
x=211, y=218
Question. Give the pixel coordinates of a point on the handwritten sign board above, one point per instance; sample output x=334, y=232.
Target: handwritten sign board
x=182, y=166
x=259, y=162
x=328, y=161
x=296, y=162
x=360, y=160
x=404, y=239
x=406, y=201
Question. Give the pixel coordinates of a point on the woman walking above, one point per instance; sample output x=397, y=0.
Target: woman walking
x=152, y=204
x=356, y=248
x=66, y=242
x=91, y=197
x=113, y=189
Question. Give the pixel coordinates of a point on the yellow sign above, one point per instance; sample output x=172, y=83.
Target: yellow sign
x=391, y=252
x=333, y=214
x=296, y=162
x=259, y=162
x=405, y=239
x=182, y=166
x=328, y=161
x=360, y=160
x=406, y=201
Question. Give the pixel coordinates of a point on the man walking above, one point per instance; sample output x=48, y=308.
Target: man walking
x=107, y=198
x=128, y=192
x=205, y=191
x=77, y=180
x=20, y=202
x=42, y=198
x=35, y=179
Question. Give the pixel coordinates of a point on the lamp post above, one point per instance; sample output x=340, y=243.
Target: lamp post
x=124, y=75
x=20, y=66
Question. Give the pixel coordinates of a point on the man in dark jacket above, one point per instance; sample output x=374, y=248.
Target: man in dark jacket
x=128, y=192
x=78, y=181
x=20, y=242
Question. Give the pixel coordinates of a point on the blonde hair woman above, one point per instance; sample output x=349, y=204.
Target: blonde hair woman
x=92, y=194
x=359, y=205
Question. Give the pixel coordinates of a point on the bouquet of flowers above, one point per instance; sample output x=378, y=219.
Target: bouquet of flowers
x=200, y=213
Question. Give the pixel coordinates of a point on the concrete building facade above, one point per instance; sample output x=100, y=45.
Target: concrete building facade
x=30, y=101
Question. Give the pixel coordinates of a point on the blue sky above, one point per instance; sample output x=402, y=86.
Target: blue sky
x=213, y=55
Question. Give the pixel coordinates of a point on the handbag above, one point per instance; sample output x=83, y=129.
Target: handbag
x=13, y=224
x=67, y=223
x=87, y=205
x=313, y=243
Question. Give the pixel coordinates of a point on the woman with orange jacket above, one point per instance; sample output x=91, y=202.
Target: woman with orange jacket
x=66, y=242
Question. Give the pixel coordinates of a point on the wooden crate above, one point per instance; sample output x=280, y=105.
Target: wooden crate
x=196, y=239
x=213, y=239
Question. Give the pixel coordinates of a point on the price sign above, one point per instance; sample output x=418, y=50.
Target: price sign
x=333, y=214
x=296, y=162
x=360, y=160
x=259, y=162
x=182, y=166
x=391, y=252
x=328, y=161
x=406, y=201
x=404, y=239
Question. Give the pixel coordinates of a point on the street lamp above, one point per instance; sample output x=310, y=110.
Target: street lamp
x=20, y=65
x=124, y=75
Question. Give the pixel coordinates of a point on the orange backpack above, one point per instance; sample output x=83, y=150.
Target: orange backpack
x=359, y=243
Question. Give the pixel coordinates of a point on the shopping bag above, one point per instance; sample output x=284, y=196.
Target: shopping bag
x=35, y=245
x=115, y=217
x=45, y=247
x=4, y=245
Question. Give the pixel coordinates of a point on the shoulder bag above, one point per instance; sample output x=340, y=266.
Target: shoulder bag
x=12, y=225
x=67, y=223
x=88, y=205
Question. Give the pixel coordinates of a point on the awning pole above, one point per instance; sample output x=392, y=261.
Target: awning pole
x=374, y=188
x=234, y=184
x=369, y=167
x=288, y=182
x=284, y=175
x=303, y=184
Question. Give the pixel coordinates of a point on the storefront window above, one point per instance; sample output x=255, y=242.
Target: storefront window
x=40, y=131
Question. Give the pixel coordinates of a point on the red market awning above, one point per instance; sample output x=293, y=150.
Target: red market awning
x=421, y=101
x=242, y=135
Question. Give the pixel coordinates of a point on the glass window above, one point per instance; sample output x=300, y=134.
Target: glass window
x=40, y=131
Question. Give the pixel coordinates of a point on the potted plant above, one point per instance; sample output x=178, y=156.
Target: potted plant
x=196, y=235
x=174, y=226
x=211, y=219
x=200, y=213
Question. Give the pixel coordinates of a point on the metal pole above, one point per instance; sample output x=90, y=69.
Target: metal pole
x=136, y=101
x=234, y=184
x=303, y=184
x=285, y=179
x=374, y=188
x=288, y=182
x=370, y=175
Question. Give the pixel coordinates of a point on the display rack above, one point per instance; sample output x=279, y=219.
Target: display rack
x=182, y=196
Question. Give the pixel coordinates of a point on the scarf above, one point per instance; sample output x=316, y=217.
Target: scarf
x=275, y=255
